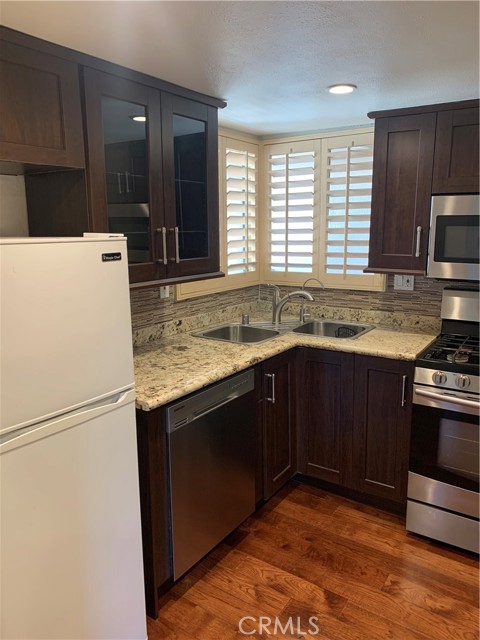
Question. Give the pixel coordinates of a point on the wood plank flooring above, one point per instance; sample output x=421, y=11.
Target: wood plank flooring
x=309, y=553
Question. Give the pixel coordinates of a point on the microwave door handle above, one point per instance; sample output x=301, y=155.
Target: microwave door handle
x=452, y=399
x=419, y=237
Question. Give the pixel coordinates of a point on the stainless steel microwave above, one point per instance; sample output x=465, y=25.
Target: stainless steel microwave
x=453, y=251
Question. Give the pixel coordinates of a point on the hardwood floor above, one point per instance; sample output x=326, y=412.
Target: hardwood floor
x=309, y=553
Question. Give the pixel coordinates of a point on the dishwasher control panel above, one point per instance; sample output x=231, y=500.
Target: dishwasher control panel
x=181, y=413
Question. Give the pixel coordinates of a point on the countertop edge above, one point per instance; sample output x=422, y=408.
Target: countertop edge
x=372, y=344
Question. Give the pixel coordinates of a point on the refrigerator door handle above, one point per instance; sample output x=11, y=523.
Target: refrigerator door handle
x=23, y=436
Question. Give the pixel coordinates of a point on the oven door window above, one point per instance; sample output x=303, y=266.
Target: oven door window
x=445, y=446
x=457, y=239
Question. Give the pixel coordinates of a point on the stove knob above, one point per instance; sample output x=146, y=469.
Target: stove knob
x=462, y=382
x=439, y=377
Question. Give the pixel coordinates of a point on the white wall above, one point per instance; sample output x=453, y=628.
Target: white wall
x=13, y=206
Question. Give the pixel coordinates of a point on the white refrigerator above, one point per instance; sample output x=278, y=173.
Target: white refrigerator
x=70, y=533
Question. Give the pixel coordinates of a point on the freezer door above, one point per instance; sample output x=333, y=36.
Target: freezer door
x=65, y=326
x=70, y=534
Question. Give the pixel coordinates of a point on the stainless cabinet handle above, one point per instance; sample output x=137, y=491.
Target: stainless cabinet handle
x=419, y=236
x=177, y=248
x=404, y=390
x=163, y=231
x=272, y=378
x=119, y=182
x=127, y=181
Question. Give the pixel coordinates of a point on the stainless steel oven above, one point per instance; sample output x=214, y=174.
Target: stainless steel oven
x=443, y=479
x=453, y=251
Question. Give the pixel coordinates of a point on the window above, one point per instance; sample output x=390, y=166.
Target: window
x=240, y=202
x=291, y=191
x=315, y=221
x=318, y=202
x=238, y=183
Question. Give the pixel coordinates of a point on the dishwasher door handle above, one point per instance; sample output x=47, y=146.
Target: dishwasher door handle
x=216, y=405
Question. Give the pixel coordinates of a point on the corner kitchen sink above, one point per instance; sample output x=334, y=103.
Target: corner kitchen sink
x=239, y=333
x=331, y=329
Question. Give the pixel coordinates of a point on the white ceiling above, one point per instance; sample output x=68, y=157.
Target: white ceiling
x=272, y=61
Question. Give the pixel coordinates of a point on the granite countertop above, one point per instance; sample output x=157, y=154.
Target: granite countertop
x=170, y=368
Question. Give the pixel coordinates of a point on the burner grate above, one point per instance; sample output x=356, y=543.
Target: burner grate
x=456, y=349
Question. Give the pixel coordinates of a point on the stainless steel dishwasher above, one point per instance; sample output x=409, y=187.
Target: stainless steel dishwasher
x=211, y=438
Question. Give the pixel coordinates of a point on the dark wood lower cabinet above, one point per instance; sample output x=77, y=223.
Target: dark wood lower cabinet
x=325, y=406
x=279, y=392
x=381, y=431
x=354, y=417
x=349, y=415
x=154, y=504
x=259, y=435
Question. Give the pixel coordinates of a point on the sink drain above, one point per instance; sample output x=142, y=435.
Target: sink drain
x=345, y=332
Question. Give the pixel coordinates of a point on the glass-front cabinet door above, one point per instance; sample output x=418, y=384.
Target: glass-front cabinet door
x=125, y=168
x=190, y=143
x=126, y=175
x=153, y=176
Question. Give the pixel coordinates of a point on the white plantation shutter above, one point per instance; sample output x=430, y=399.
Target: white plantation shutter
x=291, y=202
x=345, y=209
x=240, y=204
x=315, y=213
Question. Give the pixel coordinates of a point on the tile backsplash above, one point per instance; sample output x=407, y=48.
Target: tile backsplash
x=153, y=318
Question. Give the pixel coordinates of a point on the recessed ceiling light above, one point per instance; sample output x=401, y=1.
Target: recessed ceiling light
x=342, y=88
x=139, y=118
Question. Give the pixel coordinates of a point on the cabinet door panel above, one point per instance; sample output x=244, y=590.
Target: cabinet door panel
x=401, y=193
x=40, y=113
x=279, y=408
x=325, y=415
x=381, y=429
x=125, y=168
x=190, y=163
x=154, y=504
x=456, y=168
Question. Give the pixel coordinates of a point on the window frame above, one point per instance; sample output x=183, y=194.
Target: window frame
x=319, y=143
x=262, y=275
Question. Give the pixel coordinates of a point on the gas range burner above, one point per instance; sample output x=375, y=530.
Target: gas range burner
x=452, y=352
x=459, y=357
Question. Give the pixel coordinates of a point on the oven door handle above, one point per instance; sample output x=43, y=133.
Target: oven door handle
x=451, y=399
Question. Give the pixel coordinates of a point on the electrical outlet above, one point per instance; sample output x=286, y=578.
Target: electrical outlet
x=164, y=292
x=403, y=283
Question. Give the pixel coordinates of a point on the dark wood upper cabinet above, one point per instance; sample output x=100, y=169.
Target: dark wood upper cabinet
x=381, y=426
x=456, y=167
x=418, y=152
x=190, y=164
x=40, y=110
x=124, y=167
x=401, y=193
x=279, y=415
x=151, y=156
x=153, y=175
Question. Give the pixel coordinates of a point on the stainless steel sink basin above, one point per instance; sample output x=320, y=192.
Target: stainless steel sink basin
x=240, y=333
x=332, y=329
x=282, y=327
